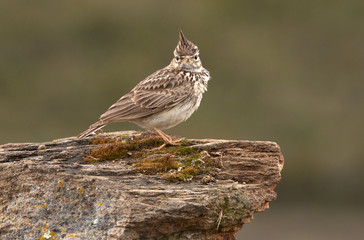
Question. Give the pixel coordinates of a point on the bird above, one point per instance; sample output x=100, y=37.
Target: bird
x=165, y=98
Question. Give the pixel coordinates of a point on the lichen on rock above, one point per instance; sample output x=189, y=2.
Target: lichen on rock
x=204, y=189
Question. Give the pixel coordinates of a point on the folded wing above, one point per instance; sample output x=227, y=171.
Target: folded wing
x=159, y=91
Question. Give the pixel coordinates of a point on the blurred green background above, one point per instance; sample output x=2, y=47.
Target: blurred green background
x=285, y=71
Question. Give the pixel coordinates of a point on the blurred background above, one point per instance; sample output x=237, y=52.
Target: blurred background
x=283, y=71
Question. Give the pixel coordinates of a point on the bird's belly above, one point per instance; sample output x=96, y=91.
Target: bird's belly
x=171, y=117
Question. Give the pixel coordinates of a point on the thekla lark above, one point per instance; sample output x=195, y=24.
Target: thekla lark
x=163, y=99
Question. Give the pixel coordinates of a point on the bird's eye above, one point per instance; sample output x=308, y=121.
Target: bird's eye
x=196, y=57
x=177, y=59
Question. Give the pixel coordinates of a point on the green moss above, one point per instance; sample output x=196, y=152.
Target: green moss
x=185, y=143
x=183, y=175
x=208, y=179
x=173, y=163
x=186, y=151
x=195, y=159
x=118, y=148
x=151, y=142
x=156, y=165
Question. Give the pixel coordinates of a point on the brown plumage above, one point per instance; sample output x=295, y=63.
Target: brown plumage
x=165, y=98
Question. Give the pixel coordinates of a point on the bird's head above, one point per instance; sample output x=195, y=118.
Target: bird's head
x=186, y=55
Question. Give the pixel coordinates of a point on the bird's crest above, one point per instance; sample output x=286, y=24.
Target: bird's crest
x=184, y=46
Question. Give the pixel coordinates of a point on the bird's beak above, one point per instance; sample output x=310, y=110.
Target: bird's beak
x=187, y=60
x=187, y=63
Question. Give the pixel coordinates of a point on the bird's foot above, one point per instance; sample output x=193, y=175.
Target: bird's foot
x=167, y=139
x=177, y=141
x=170, y=142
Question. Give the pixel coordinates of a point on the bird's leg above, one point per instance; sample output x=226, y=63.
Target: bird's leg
x=167, y=139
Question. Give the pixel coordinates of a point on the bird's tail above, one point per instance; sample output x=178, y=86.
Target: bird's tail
x=91, y=130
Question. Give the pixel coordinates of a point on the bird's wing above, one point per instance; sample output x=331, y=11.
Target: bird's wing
x=161, y=90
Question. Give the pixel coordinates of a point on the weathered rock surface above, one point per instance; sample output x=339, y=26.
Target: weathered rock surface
x=48, y=191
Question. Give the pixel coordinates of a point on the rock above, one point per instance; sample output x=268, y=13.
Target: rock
x=117, y=186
